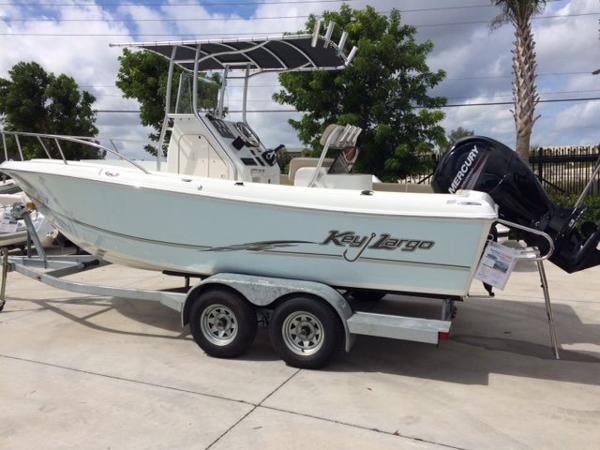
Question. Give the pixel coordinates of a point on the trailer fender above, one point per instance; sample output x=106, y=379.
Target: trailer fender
x=263, y=291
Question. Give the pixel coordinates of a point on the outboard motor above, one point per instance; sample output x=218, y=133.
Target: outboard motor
x=483, y=164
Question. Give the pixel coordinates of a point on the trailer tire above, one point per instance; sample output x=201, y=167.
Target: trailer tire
x=305, y=332
x=223, y=323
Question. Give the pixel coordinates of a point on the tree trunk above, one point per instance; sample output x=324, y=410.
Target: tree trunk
x=524, y=89
x=523, y=143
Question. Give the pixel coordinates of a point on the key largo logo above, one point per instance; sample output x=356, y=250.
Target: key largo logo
x=384, y=241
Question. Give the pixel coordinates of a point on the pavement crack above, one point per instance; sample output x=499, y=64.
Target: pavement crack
x=286, y=381
x=129, y=380
x=235, y=424
x=254, y=406
x=259, y=404
x=361, y=427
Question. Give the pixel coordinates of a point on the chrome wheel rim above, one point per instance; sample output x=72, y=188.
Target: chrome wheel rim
x=303, y=333
x=219, y=324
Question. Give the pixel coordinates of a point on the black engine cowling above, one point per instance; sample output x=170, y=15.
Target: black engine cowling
x=483, y=164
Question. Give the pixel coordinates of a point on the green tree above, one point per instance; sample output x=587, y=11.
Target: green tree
x=34, y=100
x=384, y=91
x=143, y=76
x=459, y=133
x=519, y=13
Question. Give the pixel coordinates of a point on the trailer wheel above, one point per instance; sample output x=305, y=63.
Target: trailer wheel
x=367, y=296
x=305, y=332
x=223, y=323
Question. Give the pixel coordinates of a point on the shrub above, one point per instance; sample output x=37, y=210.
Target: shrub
x=592, y=212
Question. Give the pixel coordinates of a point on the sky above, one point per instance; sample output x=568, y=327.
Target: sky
x=72, y=37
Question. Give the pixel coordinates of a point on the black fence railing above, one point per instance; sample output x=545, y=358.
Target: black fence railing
x=562, y=169
x=566, y=169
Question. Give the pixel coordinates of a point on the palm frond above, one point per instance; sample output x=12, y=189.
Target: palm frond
x=517, y=11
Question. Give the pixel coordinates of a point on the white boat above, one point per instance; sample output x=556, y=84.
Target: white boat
x=13, y=232
x=8, y=187
x=11, y=199
x=223, y=209
x=384, y=240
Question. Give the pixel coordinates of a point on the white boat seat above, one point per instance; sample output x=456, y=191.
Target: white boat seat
x=298, y=163
x=360, y=182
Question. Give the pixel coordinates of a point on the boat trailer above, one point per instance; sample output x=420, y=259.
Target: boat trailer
x=263, y=293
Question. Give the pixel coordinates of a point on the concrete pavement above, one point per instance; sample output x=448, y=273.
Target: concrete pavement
x=92, y=372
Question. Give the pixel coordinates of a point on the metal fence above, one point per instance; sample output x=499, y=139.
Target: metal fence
x=566, y=169
x=562, y=169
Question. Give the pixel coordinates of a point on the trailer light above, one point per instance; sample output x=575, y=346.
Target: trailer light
x=443, y=335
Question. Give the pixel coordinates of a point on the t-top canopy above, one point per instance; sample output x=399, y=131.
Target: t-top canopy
x=282, y=53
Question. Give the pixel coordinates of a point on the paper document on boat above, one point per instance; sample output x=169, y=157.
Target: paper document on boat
x=496, y=265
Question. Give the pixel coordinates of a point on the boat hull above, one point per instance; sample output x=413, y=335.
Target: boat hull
x=162, y=229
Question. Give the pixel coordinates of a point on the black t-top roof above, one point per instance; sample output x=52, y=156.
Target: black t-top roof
x=282, y=53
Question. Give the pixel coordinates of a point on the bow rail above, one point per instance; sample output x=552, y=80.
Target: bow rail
x=57, y=138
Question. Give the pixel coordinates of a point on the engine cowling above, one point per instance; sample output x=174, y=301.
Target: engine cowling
x=483, y=164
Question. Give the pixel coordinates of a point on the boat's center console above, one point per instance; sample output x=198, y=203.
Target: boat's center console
x=242, y=141
x=208, y=146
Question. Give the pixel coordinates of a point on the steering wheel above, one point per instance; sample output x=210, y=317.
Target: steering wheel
x=248, y=135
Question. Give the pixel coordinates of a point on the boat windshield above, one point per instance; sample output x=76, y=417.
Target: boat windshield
x=208, y=93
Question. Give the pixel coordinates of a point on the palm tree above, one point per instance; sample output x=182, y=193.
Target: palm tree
x=519, y=13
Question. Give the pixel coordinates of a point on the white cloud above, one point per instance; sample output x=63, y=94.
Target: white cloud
x=579, y=115
x=144, y=19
